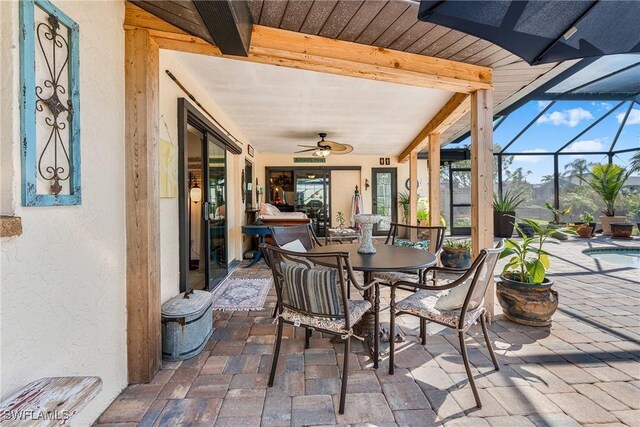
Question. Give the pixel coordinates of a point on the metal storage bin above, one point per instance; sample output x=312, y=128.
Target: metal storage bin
x=187, y=325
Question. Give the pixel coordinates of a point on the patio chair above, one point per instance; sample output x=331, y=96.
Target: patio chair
x=316, y=299
x=285, y=235
x=416, y=237
x=456, y=302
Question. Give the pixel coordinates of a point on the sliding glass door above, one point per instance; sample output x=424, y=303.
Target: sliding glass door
x=215, y=217
x=205, y=222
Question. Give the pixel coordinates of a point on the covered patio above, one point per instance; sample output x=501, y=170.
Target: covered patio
x=196, y=122
x=583, y=370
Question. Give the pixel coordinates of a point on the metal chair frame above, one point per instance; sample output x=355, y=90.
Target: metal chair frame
x=464, y=274
x=283, y=234
x=343, y=268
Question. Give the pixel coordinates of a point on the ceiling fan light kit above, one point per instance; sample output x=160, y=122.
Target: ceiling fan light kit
x=323, y=148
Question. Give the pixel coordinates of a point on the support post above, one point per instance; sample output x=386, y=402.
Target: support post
x=434, y=184
x=144, y=351
x=413, y=188
x=482, y=179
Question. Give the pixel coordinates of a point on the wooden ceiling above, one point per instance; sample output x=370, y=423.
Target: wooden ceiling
x=391, y=24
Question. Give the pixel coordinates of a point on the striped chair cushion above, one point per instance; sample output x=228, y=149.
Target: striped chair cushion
x=311, y=290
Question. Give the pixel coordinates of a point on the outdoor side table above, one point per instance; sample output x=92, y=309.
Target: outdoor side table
x=342, y=235
x=259, y=232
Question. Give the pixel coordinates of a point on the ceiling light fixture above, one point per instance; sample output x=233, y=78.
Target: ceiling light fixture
x=322, y=153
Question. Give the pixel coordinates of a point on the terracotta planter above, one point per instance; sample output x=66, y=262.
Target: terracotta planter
x=527, y=303
x=584, y=231
x=455, y=258
x=503, y=223
x=606, y=222
x=621, y=230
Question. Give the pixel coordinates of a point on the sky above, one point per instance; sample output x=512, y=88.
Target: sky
x=562, y=123
x=566, y=120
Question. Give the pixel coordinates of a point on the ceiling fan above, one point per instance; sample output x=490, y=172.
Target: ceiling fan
x=323, y=148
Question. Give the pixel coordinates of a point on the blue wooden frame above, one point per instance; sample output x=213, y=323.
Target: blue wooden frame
x=30, y=196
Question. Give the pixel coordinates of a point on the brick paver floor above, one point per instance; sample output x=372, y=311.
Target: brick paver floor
x=583, y=370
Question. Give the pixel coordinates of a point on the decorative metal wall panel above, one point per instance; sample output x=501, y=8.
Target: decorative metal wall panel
x=50, y=106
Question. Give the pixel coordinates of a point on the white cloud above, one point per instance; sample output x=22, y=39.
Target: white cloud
x=633, y=119
x=530, y=159
x=543, y=104
x=602, y=106
x=571, y=117
x=585, y=146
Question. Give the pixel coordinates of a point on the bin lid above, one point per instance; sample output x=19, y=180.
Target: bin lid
x=180, y=306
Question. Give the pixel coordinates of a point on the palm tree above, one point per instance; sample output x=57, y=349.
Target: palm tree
x=634, y=164
x=607, y=180
x=578, y=168
x=547, y=178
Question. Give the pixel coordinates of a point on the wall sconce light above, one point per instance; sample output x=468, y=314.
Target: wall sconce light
x=366, y=184
x=195, y=193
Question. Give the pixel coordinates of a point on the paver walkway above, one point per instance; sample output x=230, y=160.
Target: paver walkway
x=584, y=370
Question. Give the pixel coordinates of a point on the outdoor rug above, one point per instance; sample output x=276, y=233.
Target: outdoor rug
x=241, y=294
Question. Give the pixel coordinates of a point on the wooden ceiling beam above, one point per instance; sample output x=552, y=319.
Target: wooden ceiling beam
x=229, y=23
x=457, y=106
x=314, y=53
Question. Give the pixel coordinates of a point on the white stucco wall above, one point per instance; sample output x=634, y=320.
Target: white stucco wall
x=169, y=231
x=62, y=290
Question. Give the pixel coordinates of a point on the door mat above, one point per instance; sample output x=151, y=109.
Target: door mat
x=241, y=294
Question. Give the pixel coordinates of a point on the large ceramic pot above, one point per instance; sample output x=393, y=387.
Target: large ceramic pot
x=621, y=230
x=527, y=303
x=606, y=222
x=503, y=223
x=455, y=258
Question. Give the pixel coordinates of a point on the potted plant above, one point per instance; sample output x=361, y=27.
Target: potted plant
x=404, y=201
x=586, y=222
x=557, y=213
x=524, y=291
x=607, y=180
x=340, y=219
x=555, y=224
x=504, y=210
x=423, y=217
x=456, y=254
x=621, y=230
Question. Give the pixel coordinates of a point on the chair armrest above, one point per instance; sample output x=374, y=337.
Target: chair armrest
x=364, y=287
x=435, y=269
x=424, y=286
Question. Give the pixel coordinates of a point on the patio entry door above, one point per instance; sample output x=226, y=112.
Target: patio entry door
x=384, y=198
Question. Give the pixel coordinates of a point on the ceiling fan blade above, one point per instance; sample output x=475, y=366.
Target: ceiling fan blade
x=309, y=146
x=306, y=151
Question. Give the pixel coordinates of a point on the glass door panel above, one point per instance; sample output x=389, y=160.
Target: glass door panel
x=312, y=196
x=196, y=272
x=384, y=198
x=216, y=218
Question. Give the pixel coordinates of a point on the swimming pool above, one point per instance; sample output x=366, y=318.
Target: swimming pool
x=629, y=257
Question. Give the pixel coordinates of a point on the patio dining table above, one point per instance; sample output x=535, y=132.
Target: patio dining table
x=388, y=258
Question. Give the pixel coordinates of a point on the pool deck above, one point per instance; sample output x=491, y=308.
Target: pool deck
x=583, y=370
